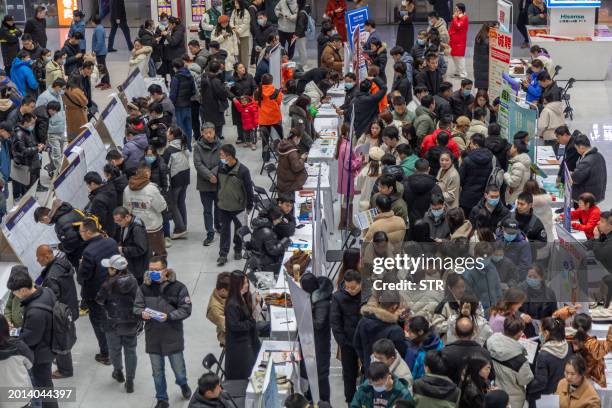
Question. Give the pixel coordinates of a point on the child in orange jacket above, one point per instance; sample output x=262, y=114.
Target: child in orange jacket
x=249, y=113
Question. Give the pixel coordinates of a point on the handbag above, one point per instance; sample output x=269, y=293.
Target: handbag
x=20, y=173
x=300, y=258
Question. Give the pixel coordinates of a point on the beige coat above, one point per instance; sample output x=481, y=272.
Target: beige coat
x=140, y=60
x=519, y=171
x=53, y=71
x=450, y=184
x=394, y=226
x=215, y=313
x=365, y=184
x=551, y=118
x=476, y=126
x=229, y=44
x=584, y=396
x=242, y=25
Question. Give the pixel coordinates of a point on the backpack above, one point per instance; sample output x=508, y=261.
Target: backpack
x=63, y=330
x=497, y=174
x=311, y=31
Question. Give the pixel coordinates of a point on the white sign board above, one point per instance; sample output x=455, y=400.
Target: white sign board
x=275, y=66
x=91, y=143
x=69, y=185
x=572, y=22
x=114, y=118
x=504, y=16
x=134, y=86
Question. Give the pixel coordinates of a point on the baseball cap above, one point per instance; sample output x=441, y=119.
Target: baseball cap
x=510, y=226
x=116, y=262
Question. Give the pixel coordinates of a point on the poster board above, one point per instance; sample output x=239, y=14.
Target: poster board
x=16, y=8
x=24, y=235
x=91, y=143
x=303, y=313
x=275, y=66
x=113, y=119
x=69, y=185
x=521, y=117
x=134, y=86
x=269, y=397
x=504, y=16
x=500, y=49
x=356, y=18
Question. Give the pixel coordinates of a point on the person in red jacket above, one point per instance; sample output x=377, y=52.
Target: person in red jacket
x=587, y=214
x=458, y=31
x=249, y=113
x=336, y=10
x=432, y=140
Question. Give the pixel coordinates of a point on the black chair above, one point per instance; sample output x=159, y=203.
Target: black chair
x=270, y=169
x=210, y=361
x=335, y=255
x=557, y=69
x=565, y=97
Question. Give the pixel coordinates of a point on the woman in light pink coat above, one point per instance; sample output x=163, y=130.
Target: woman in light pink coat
x=349, y=164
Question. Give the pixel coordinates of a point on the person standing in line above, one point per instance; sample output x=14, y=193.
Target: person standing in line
x=78, y=26
x=404, y=14
x=182, y=88
x=37, y=26
x=117, y=295
x=173, y=44
x=458, y=39
x=235, y=195
x=240, y=21
x=214, y=98
x=57, y=123
x=102, y=201
x=287, y=13
x=16, y=360
x=299, y=37
x=227, y=39
x=9, y=41
x=118, y=18
x=177, y=157
x=209, y=21
x=131, y=236
x=58, y=275
x=36, y=331
x=336, y=12
x=481, y=57
x=98, y=46
x=164, y=337
x=206, y=162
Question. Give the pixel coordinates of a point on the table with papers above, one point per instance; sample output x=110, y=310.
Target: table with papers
x=327, y=192
x=547, y=160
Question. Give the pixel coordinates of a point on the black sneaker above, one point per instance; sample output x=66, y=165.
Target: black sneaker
x=41, y=189
x=186, y=391
x=209, y=240
x=129, y=385
x=238, y=255
x=222, y=260
x=102, y=359
x=118, y=375
x=162, y=404
x=111, y=50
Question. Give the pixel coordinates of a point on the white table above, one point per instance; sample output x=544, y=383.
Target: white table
x=547, y=160
x=327, y=195
x=252, y=398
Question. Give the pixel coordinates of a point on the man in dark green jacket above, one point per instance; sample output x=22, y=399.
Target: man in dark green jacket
x=234, y=195
x=382, y=387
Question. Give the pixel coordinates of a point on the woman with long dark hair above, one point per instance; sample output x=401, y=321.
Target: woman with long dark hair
x=404, y=15
x=351, y=259
x=475, y=381
x=240, y=21
x=113, y=175
x=176, y=156
x=241, y=341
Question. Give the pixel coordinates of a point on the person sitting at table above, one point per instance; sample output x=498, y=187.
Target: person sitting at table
x=267, y=248
x=286, y=227
x=587, y=213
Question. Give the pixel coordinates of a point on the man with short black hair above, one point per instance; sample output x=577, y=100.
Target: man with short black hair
x=424, y=123
x=74, y=55
x=602, y=248
x=590, y=174
x=433, y=154
x=102, y=201
x=419, y=189
x=565, y=149
x=286, y=227
x=235, y=195
x=419, y=92
x=366, y=104
x=400, y=111
x=28, y=104
x=131, y=236
x=389, y=186
x=431, y=77
x=435, y=388
x=462, y=99
x=380, y=389
x=436, y=218
x=443, y=100
x=370, y=27
x=550, y=90
x=528, y=222
x=158, y=95
x=210, y=394
x=384, y=351
x=331, y=57
x=490, y=211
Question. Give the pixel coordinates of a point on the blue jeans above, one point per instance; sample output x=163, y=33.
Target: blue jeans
x=183, y=120
x=177, y=362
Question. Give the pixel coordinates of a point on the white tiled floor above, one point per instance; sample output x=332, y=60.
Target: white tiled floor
x=195, y=264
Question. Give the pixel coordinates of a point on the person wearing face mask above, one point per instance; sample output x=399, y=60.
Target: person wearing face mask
x=516, y=246
x=131, y=236
x=102, y=201
x=9, y=41
x=438, y=22
x=505, y=267
x=261, y=32
x=495, y=210
x=173, y=44
x=541, y=300
x=483, y=282
x=530, y=84
x=56, y=124
x=435, y=217
x=38, y=67
x=419, y=48
x=163, y=293
x=26, y=153
x=159, y=169
x=589, y=176
x=267, y=248
x=381, y=388
x=209, y=21
x=529, y=223
x=462, y=99
x=22, y=75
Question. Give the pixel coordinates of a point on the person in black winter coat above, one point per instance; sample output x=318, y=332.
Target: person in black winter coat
x=457, y=353
x=173, y=43
x=131, y=236
x=498, y=145
x=158, y=124
x=147, y=36
x=589, y=176
x=380, y=319
x=378, y=57
x=418, y=190
x=117, y=179
x=286, y=227
x=102, y=201
x=344, y=317
x=214, y=97
x=475, y=381
x=210, y=394
x=366, y=104
x=327, y=30
x=118, y=18
x=241, y=340
x=164, y=336
x=91, y=274
x=36, y=330
x=528, y=222
x=159, y=169
x=430, y=77
x=474, y=173
x=74, y=56
x=65, y=220
x=37, y=26
x=569, y=155
x=462, y=99
x=481, y=57
x=182, y=89
x=58, y=275
x=117, y=295
x=244, y=85
x=541, y=300
x=9, y=42
x=402, y=83
x=25, y=152
x=490, y=211
x=320, y=290
x=267, y=248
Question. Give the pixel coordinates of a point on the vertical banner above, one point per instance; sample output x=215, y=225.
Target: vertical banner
x=356, y=18
x=500, y=48
x=303, y=314
x=269, y=397
x=521, y=117
x=359, y=66
x=567, y=199
x=504, y=16
x=275, y=66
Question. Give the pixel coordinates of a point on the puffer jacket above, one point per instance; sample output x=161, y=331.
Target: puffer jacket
x=499, y=146
x=228, y=44
x=264, y=242
x=235, y=188
x=476, y=126
x=53, y=71
x=519, y=172
x=391, y=224
x=436, y=391
x=365, y=395
x=549, y=366
x=66, y=223
x=145, y=201
x=438, y=227
x=424, y=122
x=287, y=13
x=551, y=117
x=177, y=158
x=512, y=371
x=344, y=316
x=474, y=173
x=9, y=42
x=415, y=354
x=291, y=173
x=172, y=298
x=23, y=77
x=269, y=105
x=59, y=277
x=206, y=163
x=133, y=150
x=301, y=120
x=134, y=247
x=57, y=122
x=140, y=59
x=117, y=295
x=36, y=330
x=590, y=175
x=24, y=150
x=249, y=113
x=484, y=284
x=288, y=102
x=182, y=88
x=417, y=194
x=15, y=362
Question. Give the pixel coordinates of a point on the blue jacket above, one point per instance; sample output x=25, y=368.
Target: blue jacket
x=5, y=159
x=484, y=284
x=23, y=77
x=534, y=91
x=519, y=252
x=79, y=26
x=98, y=41
x=415, y=355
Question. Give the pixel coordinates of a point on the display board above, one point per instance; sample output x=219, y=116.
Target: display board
x=198, y=8
x=521, y=117
x=359, y=66
x=16, y=8
x=65, y=9
x=134, y=86
x=500, y=49
x=270, y=394
x=356, y=18
x=572, y=22
x=573, y=3
x=69, y=185
x=113, y=118
x=90, y=142
x=24, y=235
x=275, y=66
x=504, y=16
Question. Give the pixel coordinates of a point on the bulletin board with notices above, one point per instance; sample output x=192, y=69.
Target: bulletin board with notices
x=198, y=8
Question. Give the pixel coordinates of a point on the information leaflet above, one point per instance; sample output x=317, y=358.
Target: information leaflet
x=114, y=117
x=95, y=152
x=25, y=235
x=69, y=185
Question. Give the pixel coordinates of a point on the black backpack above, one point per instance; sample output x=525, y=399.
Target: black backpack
x=63, y=331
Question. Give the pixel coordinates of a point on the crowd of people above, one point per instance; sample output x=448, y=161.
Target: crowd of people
x=428, y=158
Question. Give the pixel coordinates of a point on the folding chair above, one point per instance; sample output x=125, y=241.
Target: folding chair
x=565, y=97
x=335, y=255
x=210, y=361
x=270, y=169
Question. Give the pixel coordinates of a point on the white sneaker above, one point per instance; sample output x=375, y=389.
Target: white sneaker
x=168, y=242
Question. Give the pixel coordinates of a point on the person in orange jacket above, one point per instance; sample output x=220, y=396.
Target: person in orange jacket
x=374, y=71
x=249, y=113
x=588, y=215
x=269, y=100
x=589, y=347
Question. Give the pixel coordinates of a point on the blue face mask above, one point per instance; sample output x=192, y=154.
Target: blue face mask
x=261, y=22
x=533, y=283
x=467, y=93
x=30, y=128
x=420, y=41
x=437, y=213
x=223, y=161
x=497, y=258
x=379, y=388
x=493, y=201
x=155, y=276
x=348, y=86
x=509, y=237
x=150, y=159
x=542, y=338
x=486, y=262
